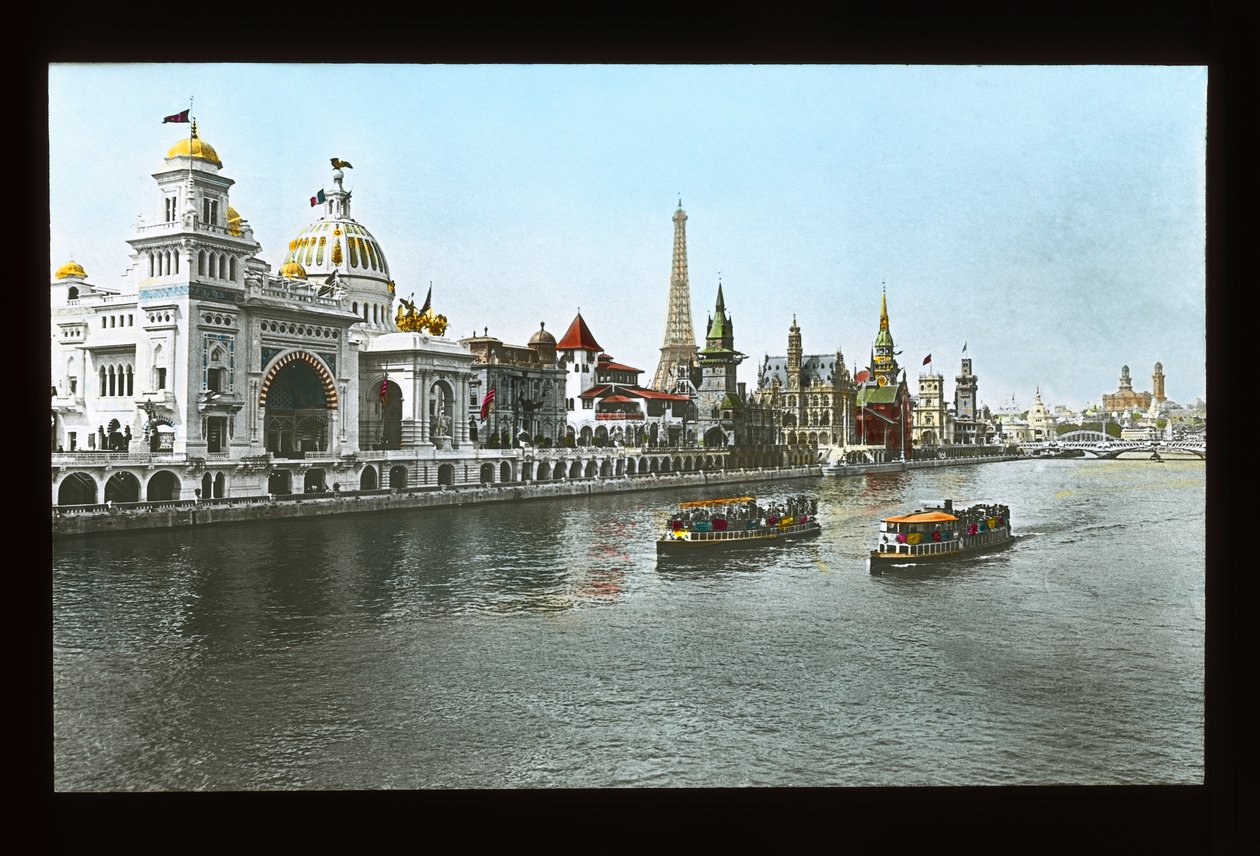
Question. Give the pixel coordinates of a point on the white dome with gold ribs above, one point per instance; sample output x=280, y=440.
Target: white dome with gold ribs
x=339, y=244
x=336, y=242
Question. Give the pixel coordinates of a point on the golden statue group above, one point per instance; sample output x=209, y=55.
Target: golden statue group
x=408, y=319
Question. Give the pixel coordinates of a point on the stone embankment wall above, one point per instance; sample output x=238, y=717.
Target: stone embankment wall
x=183, y=513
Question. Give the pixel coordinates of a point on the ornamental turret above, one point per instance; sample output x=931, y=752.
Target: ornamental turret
x=794, y=355
x=884, y=366
x=718, y=395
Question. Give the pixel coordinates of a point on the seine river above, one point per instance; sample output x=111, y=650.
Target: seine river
x=543, y=645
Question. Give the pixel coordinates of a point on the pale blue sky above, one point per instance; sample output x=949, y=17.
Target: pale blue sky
x=1052, y=218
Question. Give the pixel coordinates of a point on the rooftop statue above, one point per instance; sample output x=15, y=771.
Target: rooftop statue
x=408, y=319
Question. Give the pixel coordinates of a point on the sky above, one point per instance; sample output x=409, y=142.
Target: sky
x=1051, y=219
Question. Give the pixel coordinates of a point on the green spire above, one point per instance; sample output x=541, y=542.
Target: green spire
x=718, y=325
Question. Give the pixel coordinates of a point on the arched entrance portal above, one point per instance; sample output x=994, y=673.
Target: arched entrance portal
x=389, y=430
x=441, y=411
x=297, y=401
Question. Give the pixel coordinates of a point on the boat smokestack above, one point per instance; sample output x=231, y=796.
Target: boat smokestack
x=949, y=506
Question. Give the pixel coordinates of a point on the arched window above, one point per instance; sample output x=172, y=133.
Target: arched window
x=131, y=387
x=201, y=263
x=232, y=268
x=103, y=382
x=214, y=266
x=112, y=382
x=151, y=268
x=174, y=262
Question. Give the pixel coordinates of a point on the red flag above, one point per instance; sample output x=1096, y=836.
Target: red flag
x=486, y=402
x=318, y=199
x=927, y=359
x=182, y=116
x=385, y=391
x=863, y=376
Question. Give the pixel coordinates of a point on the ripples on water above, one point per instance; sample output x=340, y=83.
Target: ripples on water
x=544, y=644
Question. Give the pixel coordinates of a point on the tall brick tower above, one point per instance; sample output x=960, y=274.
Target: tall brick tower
x=679, y=350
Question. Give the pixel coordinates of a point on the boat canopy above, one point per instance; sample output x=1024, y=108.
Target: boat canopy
x=922, y=517
x=701, y=503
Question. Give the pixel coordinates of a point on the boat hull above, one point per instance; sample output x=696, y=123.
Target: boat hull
x=881, y=561
x=694, y=543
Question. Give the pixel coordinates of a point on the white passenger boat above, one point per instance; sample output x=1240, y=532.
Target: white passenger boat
x=940, y=533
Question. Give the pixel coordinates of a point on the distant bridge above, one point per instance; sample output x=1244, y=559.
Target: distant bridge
x=1095, y=444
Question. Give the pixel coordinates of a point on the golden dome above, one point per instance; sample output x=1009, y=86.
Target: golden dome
x=195, y=148
x=293, y=270
x=71, y=269
x=542, y=337
x=234, y=221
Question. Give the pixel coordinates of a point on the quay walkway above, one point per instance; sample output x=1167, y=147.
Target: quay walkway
x=70, y=520
x=178, y=513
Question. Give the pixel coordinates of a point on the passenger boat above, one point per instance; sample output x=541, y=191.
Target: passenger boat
x=711, y=525
x=940, y=533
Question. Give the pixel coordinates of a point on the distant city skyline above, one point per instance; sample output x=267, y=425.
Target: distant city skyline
x=1052, y=219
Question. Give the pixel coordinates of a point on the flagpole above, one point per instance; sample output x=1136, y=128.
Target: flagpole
x=192, y=128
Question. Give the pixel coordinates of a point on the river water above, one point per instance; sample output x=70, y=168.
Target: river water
x=542, y=645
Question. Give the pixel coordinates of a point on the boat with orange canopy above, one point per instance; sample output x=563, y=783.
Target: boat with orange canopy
x=940, y=533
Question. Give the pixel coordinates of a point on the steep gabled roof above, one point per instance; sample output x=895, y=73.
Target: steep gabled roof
x=578, y=337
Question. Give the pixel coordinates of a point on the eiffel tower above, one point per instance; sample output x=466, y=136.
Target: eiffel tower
x=679, y=349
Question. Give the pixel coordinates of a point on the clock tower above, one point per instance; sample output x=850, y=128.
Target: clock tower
x=884, y=366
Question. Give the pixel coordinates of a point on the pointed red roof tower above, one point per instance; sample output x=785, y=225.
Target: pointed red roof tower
x=578, y=337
